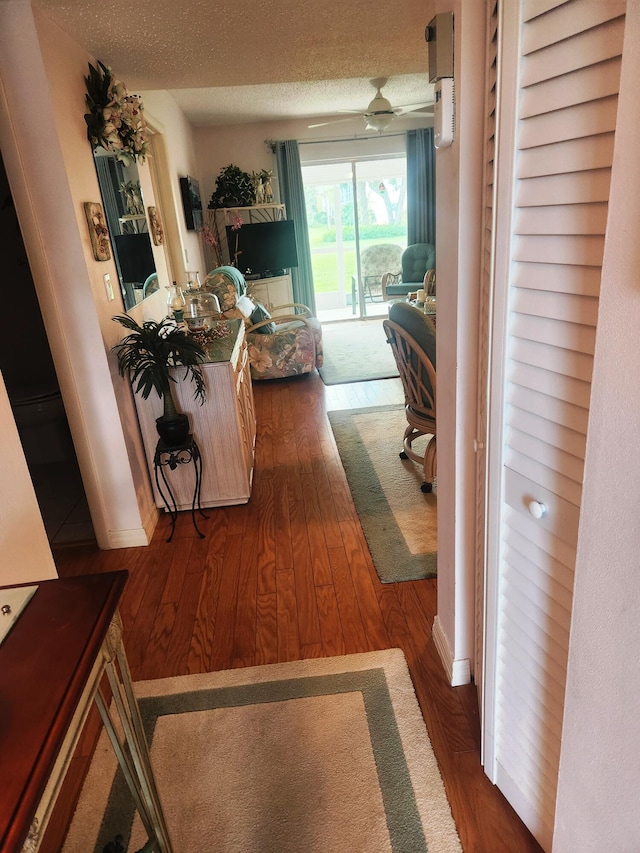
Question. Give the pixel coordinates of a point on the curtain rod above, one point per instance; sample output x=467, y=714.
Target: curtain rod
x=351, y=138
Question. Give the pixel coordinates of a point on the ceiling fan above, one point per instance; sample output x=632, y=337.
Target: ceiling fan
x=379, y=114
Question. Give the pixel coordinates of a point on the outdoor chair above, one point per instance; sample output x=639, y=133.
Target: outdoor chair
x=375, y=261
x=412, y=337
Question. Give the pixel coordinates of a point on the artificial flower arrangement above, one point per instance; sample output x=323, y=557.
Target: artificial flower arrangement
x=212, y=239
x=238, y=222
x=115, y=119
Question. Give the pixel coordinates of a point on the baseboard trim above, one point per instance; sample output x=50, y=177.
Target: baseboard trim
x=458, y=671
x=136, y=537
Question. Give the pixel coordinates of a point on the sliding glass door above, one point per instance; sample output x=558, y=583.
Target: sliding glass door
x=357, y=217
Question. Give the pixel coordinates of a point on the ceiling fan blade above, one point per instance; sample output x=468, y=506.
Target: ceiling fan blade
x=334, y=121
x=409, y=108
x=416, y=114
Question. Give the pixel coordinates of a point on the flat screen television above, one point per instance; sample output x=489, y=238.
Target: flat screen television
x=265, y=248
x=191, y=202
x=135, y=257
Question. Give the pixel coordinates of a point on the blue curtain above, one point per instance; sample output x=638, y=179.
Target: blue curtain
x=421, y=187
x=292, y=196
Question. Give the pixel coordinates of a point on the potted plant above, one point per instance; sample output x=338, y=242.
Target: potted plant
x=234, y=188
x=147, y=354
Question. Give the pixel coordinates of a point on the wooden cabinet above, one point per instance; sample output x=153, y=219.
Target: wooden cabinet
x=272, y=292
x=51, y=667
x=224, y=427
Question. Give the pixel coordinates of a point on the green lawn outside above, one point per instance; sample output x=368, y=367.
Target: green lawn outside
x=325, y=265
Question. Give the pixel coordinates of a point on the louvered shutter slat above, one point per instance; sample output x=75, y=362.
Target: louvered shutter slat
x=565, y=117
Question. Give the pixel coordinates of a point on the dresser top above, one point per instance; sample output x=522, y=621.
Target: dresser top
x=45, y=663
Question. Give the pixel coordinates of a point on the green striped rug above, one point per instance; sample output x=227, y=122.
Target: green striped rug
x=321, y=756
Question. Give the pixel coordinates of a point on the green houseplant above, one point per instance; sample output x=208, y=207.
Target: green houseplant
x=234, y=188
x=147, y=354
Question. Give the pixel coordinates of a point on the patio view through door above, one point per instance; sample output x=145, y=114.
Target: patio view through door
x=353, y=205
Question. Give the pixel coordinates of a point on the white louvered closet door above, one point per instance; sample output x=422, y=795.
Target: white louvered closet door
x=483, y=336
x=550, y=238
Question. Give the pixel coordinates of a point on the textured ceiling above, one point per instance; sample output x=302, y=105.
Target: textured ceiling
x=251, y=60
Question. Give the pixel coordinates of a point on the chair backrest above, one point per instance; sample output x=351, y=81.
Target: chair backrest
x=416, y=260
x=379, y=259
x=227, y=283
x=150, y=285
x=412, y=337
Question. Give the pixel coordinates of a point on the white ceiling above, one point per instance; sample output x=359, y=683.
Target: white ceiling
x=233, y=61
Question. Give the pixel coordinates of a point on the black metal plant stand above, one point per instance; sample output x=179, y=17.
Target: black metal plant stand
x=170, y=457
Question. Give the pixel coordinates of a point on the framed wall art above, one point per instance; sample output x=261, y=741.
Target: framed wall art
x=98, y=231
x=155, y=226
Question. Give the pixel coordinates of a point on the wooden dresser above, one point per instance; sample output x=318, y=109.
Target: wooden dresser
x=224, y=426
x=52, y=663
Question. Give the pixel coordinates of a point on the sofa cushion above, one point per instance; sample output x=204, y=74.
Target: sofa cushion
x=416, y=260
x=259, y=314
x=402, y=288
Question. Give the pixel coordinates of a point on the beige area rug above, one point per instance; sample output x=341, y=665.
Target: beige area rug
x=398, y=519
x=321, y=756
x=356, y=352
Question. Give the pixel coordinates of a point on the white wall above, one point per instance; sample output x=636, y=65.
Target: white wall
x=597, y=801
x=167, y=118
x=50, y=169
x=51, y=174
x=24, y=549
x=458, y=202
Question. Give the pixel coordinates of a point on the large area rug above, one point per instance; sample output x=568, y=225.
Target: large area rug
x=322, y=756
x=398, y=519
x=356, y=352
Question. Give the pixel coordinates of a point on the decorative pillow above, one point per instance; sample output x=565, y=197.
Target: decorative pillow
x=245, y=306
x=228, y=284
x=223, y=288
x=259, y=314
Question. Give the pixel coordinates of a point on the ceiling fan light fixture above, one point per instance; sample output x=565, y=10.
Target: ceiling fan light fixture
x=379, y=122
x=379, y=104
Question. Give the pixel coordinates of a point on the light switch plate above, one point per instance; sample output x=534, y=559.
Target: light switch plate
x=12, y=603
x=109, y=288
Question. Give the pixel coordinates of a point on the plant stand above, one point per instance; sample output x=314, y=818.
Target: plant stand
x=170, y=457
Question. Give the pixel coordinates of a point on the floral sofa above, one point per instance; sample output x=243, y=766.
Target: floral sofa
x=289, y=345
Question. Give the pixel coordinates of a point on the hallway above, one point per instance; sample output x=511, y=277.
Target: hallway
x=289, y=576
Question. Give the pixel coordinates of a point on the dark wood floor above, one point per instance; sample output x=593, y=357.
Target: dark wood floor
x=289, y=576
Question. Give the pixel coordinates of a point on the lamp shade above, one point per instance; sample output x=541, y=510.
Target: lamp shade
x=379, y=122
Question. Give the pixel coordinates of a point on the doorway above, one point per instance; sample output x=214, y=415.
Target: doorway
x=28, y=370
x=357, y=220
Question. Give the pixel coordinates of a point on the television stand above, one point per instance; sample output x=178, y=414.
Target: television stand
x=273, y=291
